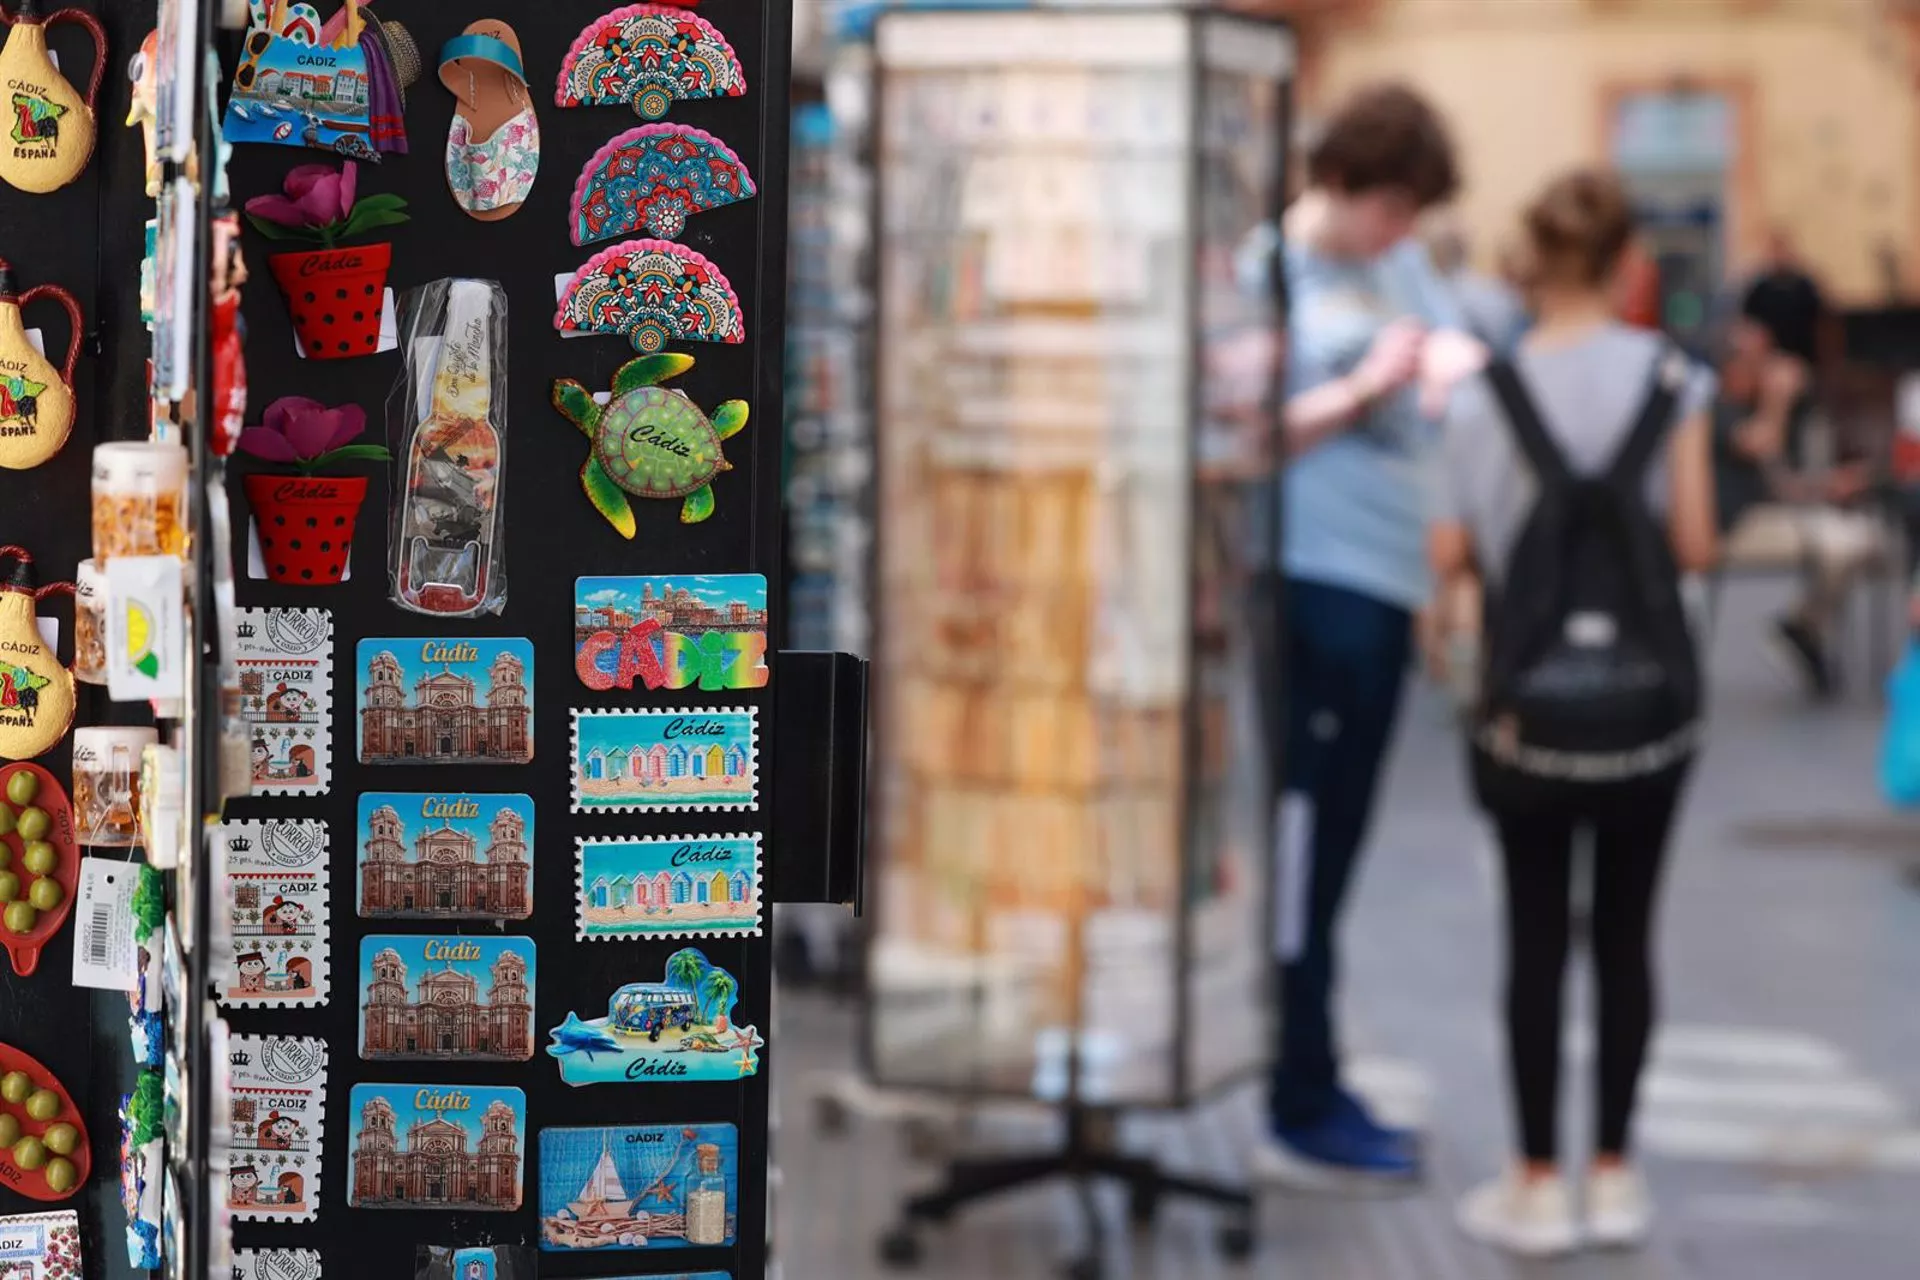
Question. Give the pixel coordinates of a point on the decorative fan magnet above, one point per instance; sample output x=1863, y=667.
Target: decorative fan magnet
x=652, y=291
x=648, y=56
x=650, y=180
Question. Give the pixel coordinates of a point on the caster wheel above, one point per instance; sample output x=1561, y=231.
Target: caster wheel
x=1082, y=1269
x=829, y=1116
x=1236, y=1241
x=900, y=1249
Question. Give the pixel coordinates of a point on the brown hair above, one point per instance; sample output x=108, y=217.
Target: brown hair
x=1385, y=136
x=1578, y=228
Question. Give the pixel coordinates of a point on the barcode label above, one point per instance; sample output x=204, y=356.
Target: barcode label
x=105, y=956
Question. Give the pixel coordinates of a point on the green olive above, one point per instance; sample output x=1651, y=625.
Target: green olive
x=46, y=894
x=9, y=1128
x=60, y=1138
x=20, y=917
x=60, y=1176
x=9, y=886
x=22, y=787
x=29, y=1153
x=15, y=1086
x=43, y=1104
x=41, y=857
x=6, y=821
x=33, y=824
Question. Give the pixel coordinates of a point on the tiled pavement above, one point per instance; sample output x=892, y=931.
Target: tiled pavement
x=1782, y=1117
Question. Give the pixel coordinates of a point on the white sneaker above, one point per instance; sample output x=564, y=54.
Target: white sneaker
x=1619, y=1208
x=1529, y=1216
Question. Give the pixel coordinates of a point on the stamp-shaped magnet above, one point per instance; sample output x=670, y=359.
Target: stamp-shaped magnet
x=445, y=856
x=276, y=1264
x=276, y=900
x=40, y=1246
x=278, y=1108
x=648, y=761
x=668, y=887
x=638, y=1187
x=436, y=997
x=433, y=1146
x=285, y=660
x=445, y=700
x=677, y=1029
x=706, y=631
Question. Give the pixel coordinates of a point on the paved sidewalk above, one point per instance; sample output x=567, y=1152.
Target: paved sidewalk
x=1781, y=1123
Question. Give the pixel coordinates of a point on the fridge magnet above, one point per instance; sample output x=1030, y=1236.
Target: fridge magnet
x=668, y=887
x=458, y=700
x=285, y=662
x=36, y=398
x=335, y=292
x=51, y=126
x=445, y=856
x=146, y=1000
x=435, y=997
x=40, y=1246
x=276, y=899
x=650, y=180
x=227, y=334
x=653, y=291
x=39, y=863
x=680, y=1029
x=303, y=522
x=493, y=147
x=493, y=1262
x=146, y=611
x=45, y=1154
x=334, y=87
x=36, y=692
x=648, y=761
x=677, y=632
x=142, y=1158
x=638, y=1187
x=275, y=1119
x=143, y=72
x=276, y=1264
x=649, y=441
x=448, y=555
x=437, y=1147
x=648, y=56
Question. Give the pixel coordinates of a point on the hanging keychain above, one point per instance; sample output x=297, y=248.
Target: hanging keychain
x=36, y=399
x=36, y=692
x=50, y=127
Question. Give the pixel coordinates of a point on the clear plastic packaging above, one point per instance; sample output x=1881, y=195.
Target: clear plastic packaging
x=448, y=413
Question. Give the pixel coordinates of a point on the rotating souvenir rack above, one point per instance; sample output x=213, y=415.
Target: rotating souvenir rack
x=1077, y=357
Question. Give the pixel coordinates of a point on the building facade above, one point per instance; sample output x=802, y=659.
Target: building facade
x=444, y=1016
x=445, y=719
x=448, y=874
x=433, y=1166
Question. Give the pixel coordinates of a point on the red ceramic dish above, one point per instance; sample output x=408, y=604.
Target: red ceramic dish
x=32, y=1183
x=24, y=948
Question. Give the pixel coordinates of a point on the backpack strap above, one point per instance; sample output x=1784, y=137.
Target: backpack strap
x=1548, y=463
x=1669, y=376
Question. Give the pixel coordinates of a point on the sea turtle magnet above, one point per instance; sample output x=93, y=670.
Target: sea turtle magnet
x=649, y=441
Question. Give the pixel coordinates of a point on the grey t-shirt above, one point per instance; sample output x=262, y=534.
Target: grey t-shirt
x=1589, y=393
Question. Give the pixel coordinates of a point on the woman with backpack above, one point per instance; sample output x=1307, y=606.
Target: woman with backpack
x=1578, y=486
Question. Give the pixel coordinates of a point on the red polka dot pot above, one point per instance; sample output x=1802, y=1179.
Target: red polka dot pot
x=335, y=296
x=305, y=525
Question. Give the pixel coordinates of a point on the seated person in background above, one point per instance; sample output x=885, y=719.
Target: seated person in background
x=1770, y=511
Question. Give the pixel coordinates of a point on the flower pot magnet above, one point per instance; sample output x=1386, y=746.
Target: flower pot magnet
x=335, y=292
x=36, y=399
x=306, y=519
x=50, y=127
x=36, y=692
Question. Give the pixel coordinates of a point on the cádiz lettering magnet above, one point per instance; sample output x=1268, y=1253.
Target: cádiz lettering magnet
x=445, y=856
x=683, y=758
x=428, y=1146
x=653, y=291
x=668, y=887
x=451, y=700
x=638, y=1187
x=674, y=632
x=36, y=399
x=678, y=1029
x=51, y=127
x=443, y=997
x=650, y=180
x=649, y=441
x=647, y=56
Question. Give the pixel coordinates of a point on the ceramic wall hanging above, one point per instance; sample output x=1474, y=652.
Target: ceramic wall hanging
x=48, y=1157
x=493, y=145
x=651, y=291
x=39, y=862
x=306, y=520
x=336, y=293
x=51, y=129
x=649, y=441
x=650, y=180
x=648, y=56
x=36, y=399
x=36, y=692
x=334, y=87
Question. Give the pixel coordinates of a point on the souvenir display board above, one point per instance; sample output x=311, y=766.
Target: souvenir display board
x=1077, y=360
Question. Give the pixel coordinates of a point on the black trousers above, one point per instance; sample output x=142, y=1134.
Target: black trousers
x=1538, y=822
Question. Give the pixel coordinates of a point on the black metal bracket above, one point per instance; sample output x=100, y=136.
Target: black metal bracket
x=817, y=841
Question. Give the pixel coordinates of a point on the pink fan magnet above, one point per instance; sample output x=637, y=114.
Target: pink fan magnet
x=648, y=56
x=652, y=291
x=650, y=180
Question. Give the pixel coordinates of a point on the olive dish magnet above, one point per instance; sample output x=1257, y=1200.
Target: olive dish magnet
x=44, y=1152
x=39, y=862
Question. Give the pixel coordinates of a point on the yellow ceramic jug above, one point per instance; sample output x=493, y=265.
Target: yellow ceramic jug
x=36, y=399
x=36, y=692
x=49, y=127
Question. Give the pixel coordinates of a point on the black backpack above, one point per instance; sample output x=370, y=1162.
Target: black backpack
x=1591, y=673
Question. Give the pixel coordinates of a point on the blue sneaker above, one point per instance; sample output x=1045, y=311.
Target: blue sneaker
x=1349, y=1105
x=1342, y=1150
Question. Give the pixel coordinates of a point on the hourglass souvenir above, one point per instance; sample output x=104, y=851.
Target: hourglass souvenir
x=50, y=127
x=36, y=399
x=36, y=692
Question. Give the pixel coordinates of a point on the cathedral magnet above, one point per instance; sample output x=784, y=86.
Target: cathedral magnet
x=430, y=1146
x=668, y=887
x=279, y=1103
x=442, y=998
x=276, y=899
x=680, y=1029
x=650, y=761
x=445, y=856
x=451, y=700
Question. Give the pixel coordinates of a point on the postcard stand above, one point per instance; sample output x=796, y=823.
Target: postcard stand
x=1076, y=329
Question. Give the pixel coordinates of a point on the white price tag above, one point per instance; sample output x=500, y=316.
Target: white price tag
x=104, y=953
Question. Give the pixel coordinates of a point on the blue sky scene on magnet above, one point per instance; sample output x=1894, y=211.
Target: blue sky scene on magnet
x=436, y=1146
x=444, y=700
x=632, y=1187
x=444, y=855
x=663, y=759
x=646, y=887
x=677, y=1030
x=444, y=998
x=684, y=631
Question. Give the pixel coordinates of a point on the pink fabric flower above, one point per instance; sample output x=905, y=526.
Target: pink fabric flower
x=296, y=429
